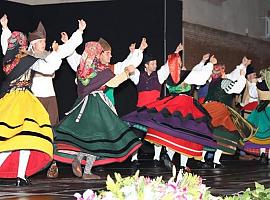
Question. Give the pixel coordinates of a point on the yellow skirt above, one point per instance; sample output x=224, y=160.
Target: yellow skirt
x=24, y=123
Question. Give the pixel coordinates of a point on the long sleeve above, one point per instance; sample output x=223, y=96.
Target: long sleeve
x=134, y=58
x=253, y=90
x=199, y=74
x=48, y=65
x=117, y=80
x=235, y=74
x=163, y=73
x=238, y=86
x=74, y=60
x=6, y=33
x=69, y=47
x=135, y=78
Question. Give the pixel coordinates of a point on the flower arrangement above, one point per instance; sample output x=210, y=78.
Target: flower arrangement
x=183, y=186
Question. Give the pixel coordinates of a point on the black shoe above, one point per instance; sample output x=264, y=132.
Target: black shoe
x=99, y=169
x=21, y=182
x=156, y=163
x=207, y=165
x=168, y=164
x=135, y=164
x=167, y=161
x=263, y=159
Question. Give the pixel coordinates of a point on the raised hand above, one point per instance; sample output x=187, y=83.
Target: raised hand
x=132, y=47
x=82, y=24
x=206, y=57
x=130, y=69
x=246, y=61
x=213, y=60
x=64, y=37
x=55, y=46
x=144, y=44
x=179, y=48
x=4, y=21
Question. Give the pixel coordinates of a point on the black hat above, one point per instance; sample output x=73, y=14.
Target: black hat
x=147, y=58
x=250, y=70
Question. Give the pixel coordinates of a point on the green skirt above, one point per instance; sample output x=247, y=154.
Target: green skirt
x=98, y=131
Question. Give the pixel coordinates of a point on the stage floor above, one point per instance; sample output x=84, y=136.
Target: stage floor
x=235, y=177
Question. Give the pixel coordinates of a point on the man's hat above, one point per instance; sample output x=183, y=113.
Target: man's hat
x=39, y=33
x=105, y=45
x=250, y=70
x=147, y=58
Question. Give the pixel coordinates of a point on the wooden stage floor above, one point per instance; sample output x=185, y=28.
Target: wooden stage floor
x=235, y=177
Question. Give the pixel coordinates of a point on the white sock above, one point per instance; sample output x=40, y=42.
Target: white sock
x=3, y=157
x=262, y=150
x=217, y=156
x=134, y=157
x=170, y=153
x=23, y=161
x=157, y=152
x=203, y=155
x=184, y=160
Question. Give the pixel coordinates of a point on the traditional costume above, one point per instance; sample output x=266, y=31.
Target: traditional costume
x=178, y=122
x=260, y=117
x=26, y=134
x=42, y=84
x=230, y=129
x=249, y=100
x=92, y=128
x=134, y=58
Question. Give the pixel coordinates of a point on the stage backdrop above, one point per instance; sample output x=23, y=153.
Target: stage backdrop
x=120, y=22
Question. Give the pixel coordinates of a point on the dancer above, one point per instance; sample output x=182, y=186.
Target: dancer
x=26, y=145
x=92, y=129
x=260, y=117
x=230, y=129
x=42, y=84
x=134, y=58
x=173, y=121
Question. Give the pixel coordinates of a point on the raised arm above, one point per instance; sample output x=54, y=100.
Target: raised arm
x=201, y=73
x=6, y=33
x=50, y=64
x=235, y=74
x=134, y=58
x=236, y=86
x=164, y=70
x=75, y=40
x=120, y=78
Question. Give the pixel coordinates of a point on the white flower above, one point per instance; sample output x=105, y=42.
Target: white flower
x=129, y=192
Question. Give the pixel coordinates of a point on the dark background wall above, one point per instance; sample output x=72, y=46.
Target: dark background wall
x=120, y=22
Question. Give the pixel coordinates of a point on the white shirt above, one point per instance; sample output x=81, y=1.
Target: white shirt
x=42, y=86
x=201, y=73
x=134, y=58
x=163, y=74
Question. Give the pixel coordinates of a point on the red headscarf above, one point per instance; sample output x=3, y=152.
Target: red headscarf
x=90, y=63
x=218, y=70
x=175, y=62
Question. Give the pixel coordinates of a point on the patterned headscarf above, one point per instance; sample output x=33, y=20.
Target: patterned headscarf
x=90, y=63
x=265, y=74
x=217, y=71
x=16, y=41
